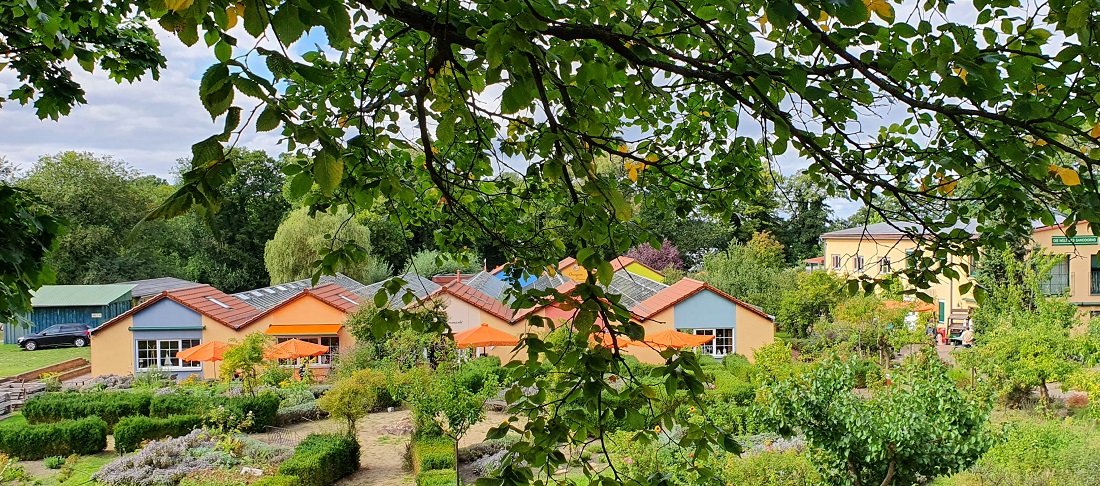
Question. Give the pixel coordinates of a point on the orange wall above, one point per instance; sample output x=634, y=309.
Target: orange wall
x=113, y=349
x=462, y=315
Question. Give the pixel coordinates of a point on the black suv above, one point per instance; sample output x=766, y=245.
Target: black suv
x=59, y=335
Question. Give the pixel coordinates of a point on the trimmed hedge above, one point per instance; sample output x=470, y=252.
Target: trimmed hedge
x=109, y=406
x=131, y=431
x=278, y=480
x=322, y=459
x=433, y=453
x=32, y=442
x=264, y=407
x=300, y=413
x=438, y=477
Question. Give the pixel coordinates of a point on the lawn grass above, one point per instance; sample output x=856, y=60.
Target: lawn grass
x=82, y=471
x=15, y=420
x=14, y=360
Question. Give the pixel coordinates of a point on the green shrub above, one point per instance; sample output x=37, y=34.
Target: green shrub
x=274, y=375
x=109, y=406
x=264, y=408
x=436, y=477
x=433, y=453
x=300, y=413
x=32, y=442
x=322, y=459
x=769, y=469
x=53, y=462
x=130, y=432
x=278, y=480
x=179, y=403
x=475, y=374
x=728, y=388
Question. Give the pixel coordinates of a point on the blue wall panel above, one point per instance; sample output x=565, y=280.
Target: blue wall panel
x=167, y=313
x=44, y=317
x=705, y=310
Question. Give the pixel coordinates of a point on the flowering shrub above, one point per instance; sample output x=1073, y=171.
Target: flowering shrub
x=295, y=396
x=300, y=413
x=163, y=462
x=131, y=431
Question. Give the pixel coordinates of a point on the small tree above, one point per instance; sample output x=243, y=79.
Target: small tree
x=668, y=256
x=246, y=358
x=921, y=428
x=814, y=297
x=448, y=408
x=353, y=397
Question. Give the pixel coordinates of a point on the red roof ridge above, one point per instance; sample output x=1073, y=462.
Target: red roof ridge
x=475, y=297
x=680, y=291
x=185, y=296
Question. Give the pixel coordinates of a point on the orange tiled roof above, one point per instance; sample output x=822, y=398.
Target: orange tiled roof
x=478, y=299
x=205, y=300
x=336, y=296
x=679, y=292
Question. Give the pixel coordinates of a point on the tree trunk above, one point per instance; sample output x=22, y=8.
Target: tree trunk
x=458, y=476
x=854, y=473
x=1044, y=394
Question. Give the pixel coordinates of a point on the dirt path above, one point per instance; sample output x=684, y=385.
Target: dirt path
x=383, y=438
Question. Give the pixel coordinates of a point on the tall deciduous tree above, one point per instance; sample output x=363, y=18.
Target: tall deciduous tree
x=304, y=240
x=103, y=200
x=30, y=234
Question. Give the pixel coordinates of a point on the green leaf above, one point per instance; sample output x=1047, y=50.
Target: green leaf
x=288, y=28
x=300, y=185
x=328, y=171
x=268, y=119
x=223, y=51
x=604, y=273
x=852, y=12
x=445, y=132
x=255, y=17
x=206, y=151
x=1078, y=16
x=781, y=13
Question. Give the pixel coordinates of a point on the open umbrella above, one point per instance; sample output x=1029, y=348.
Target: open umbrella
x=604, y=339
x=209, y=351
x=676, y=339
x=484, y=336
x=294, y=348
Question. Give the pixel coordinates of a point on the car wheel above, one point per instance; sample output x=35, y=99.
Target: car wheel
x=80, y=342
x=30, y=345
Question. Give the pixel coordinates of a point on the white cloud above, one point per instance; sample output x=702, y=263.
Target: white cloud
x=149, y=124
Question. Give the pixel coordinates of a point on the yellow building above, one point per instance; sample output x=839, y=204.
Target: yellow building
x=881, y=249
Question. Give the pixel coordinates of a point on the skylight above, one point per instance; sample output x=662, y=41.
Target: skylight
x=216, y=301
x=348, y=299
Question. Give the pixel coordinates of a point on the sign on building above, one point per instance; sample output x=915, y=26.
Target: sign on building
x=1074, y=241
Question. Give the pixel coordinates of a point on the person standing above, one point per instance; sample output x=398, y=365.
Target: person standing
x=967, y=338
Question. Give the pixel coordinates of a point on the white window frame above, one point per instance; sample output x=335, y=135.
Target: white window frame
x=884, y=265
x=163, y=352
x=721, y=345
x=323, y=361
x=838, y=262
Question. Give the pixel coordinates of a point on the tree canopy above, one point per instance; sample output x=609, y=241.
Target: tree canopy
x=436, y=106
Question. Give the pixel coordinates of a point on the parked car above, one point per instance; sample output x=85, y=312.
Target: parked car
x=59, y=335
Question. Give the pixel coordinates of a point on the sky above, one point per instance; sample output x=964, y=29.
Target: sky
x=150, y=124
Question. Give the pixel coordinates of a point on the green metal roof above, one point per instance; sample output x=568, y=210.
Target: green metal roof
x=80, y=295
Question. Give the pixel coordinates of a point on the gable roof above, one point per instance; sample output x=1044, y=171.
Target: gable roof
x=681, y=291
x=204, y=299
x=268, y=297
x=79, y=295
x=421, y=287
x=153, y=286
x=332, y=294
x=478, y=299
x=620, y=263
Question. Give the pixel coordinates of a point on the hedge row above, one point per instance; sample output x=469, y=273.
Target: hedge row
x=263, y=407
x=278, y=480
x=322, y=459
x=33, y=442
x=130, y=432
x=433, y=453
x=438, y=477
x=110, y=406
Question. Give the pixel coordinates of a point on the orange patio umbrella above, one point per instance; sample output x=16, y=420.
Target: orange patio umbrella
x=208, y=351
x=604, y=339
x=294, y=348
x=676, y=339
x=484, y=336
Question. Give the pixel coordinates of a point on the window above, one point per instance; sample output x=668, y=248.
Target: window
x=910, y=259
x=1058, y=283
x=884, y=265
x=858, y=263
x=153, y=353
x=333, y=343
x=723, y=342
x=973, y=265
x=707, y=348
x=836, y=262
